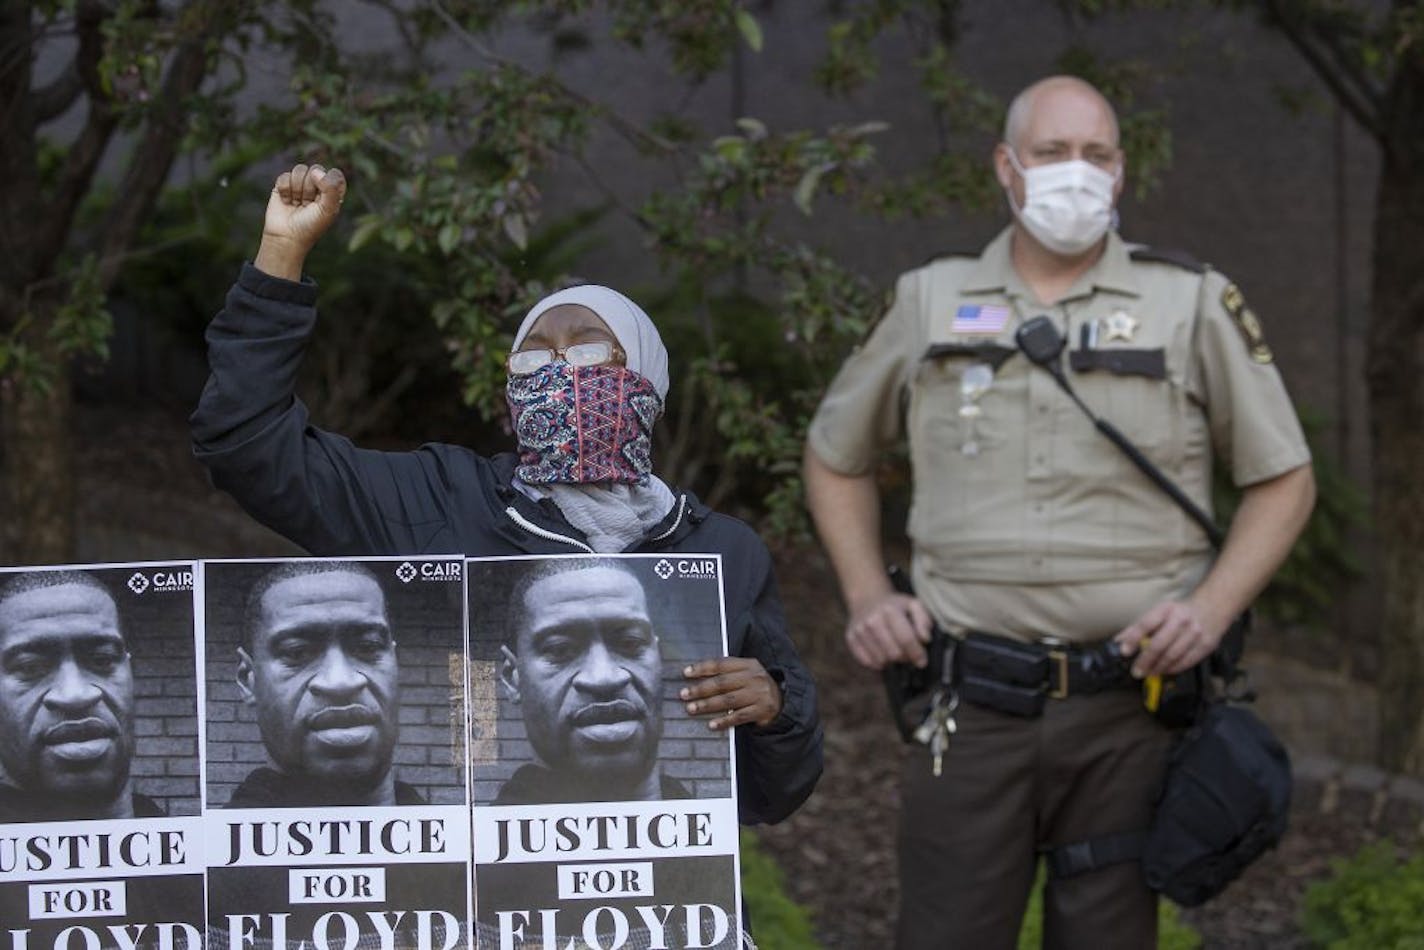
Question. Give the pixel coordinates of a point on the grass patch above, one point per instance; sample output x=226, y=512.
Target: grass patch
x=1372, y=901
x=779, y=922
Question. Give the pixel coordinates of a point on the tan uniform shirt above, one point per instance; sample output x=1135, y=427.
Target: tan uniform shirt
x=1025, y=519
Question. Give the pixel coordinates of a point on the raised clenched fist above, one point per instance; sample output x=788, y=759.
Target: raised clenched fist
x=304, y=203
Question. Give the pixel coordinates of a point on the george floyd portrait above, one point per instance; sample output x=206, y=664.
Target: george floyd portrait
x=577, y=662
x=330, y=683
x=98, y=686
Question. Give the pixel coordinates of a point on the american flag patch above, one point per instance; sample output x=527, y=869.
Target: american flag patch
x=980, y=319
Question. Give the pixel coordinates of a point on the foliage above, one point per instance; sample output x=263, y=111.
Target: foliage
x=1372, y=901
x=1308, y=583
x=76, y=324
x=779, y=922
x=1172, y=933
x=1146, y=136
x=129, y=71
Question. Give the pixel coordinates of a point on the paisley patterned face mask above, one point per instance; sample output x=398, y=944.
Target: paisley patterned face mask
x=583, y=424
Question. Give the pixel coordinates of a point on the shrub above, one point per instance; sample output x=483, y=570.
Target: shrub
x=1322, y=563
x=1372, y=901
x=780, y=922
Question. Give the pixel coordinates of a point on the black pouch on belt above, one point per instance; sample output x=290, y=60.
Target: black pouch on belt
x=1002, y=675
x=1014, y=700
x=998, y=658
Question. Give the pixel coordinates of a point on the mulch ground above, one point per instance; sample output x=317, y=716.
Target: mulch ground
x=838, y=851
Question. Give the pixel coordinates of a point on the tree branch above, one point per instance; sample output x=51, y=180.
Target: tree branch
x=83, y=155
x=53, y=100
x=602, y=187
x=625, y=127
x=1347, y=60
x=18, y=171
x=10, y=306
x=400, y=19
x=163, y=133
x=1349, y=86
x=53, y=285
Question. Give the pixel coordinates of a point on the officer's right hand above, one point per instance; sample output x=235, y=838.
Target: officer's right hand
x=889, y=628
x=304, y=203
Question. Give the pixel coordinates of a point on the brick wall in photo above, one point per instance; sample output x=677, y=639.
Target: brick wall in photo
x=155, y=608
x=426, y=620
x=686, y=615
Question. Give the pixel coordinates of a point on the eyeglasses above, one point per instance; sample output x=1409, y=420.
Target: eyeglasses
x=596, y=353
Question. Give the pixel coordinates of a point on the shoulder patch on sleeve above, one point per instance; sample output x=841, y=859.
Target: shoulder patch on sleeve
x=1234, y=303
x=1159, y=255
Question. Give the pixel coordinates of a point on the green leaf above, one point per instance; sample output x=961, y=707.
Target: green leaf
x=754, y=128
x=872, y=127
x=366, y=229
x=730, y=148
x=449, y=237
x=517, y=229
x=443, y=311
x=751, y=30
x=806, y=188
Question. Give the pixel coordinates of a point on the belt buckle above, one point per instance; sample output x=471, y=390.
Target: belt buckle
x=1058, y=673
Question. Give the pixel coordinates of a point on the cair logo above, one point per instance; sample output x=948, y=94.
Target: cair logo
x=430, y=571
x=161, y=582
x=686, y=568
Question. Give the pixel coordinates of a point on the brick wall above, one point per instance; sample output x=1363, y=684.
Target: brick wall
x=687, y=617
x=158, y=625
x=158, y=628
x=426, y=620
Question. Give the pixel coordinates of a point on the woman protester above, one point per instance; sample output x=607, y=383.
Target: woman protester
x=559, y=494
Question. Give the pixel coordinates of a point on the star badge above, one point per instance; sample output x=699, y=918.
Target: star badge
x=1120, y=325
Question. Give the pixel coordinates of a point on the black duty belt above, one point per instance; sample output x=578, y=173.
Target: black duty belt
x=1018, y=678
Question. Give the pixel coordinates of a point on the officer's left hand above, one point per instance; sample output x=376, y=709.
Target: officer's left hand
x=1173, y=636
x=738, y=687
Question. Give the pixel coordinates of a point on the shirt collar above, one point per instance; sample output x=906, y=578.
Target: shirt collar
x=994, y=271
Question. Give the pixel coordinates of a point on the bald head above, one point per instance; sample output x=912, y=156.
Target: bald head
x=1059, y=102
x=1063, y=134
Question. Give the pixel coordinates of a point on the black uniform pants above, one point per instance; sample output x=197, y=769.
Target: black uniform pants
x=969, y=840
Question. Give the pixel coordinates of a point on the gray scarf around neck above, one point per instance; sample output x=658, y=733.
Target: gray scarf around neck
x=612, y=516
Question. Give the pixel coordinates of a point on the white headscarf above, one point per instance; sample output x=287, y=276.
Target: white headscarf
x=612, y=517
x=632, y=328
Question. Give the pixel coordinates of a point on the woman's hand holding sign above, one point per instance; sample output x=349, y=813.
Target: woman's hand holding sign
x=739, y=688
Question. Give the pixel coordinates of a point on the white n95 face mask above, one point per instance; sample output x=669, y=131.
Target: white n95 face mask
x=1068, y=206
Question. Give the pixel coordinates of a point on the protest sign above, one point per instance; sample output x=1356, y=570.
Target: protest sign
x=337, y=809
x=604, y=814
x=99, y=759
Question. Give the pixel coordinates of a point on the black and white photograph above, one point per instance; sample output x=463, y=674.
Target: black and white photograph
x=336, y=790
x=575, y=667
x=604, y=811
x=99, y=763
x=333, y=683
